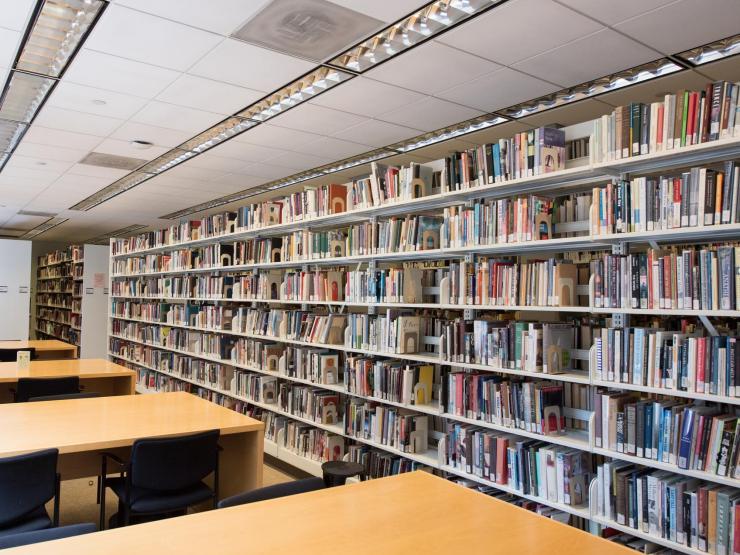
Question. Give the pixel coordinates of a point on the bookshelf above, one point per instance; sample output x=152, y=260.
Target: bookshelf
x=205, y=305
x=71, y=298
x=15, y=289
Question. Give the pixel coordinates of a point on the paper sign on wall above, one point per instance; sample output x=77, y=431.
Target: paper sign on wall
x=98, y=280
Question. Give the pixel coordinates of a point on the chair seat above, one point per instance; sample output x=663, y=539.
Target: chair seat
x=154, y=501
x=38, y=519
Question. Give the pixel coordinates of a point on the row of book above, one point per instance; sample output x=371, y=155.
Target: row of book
x=681, y=119
x=671, y=360
x=395, y=427
x=62, y=300
x=56, y=286
x=53, y=315
x=695, y=198
x=531, y=467
x=674, y=278
x=683, y=510
x=687, y=435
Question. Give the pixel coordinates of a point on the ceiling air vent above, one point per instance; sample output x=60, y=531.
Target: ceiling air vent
x=104, y=160
x=313, y=29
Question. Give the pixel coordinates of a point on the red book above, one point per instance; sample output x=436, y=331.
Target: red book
x=690, y=118
x=337, y=198
x=661, y=115
x=736, y=524
x=701, y=349
x=502, y=444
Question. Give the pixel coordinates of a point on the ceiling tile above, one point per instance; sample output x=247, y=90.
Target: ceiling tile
x=57, y=137
x=176, y=117
x=246, y=152
x=124, y=148
x=97, y=171
x=160, y=136
x=610, y=12
x=366, y=97
x=335, y=149
x=266, y=171
x=385, y=11
x=88, y=100
x=82, y=182
x=49, y=152
x=212, y=96
x=666, y=28
x=377, y=133
x=213, y=161
x=430, y=114
x=188, y=171
x=15, y=14
x=497, y=36
x=9, y=41
x=267, y=134
x=299, y=161
x=224, y=18
x=239, y=181
x=497, y=90
x=70, y=120
x=250, y=66
x=419, y=69
x=25, y=177
x=312, y=118
x=146, y=38
x=35, y=163
x=594, y=56
x=96, y=69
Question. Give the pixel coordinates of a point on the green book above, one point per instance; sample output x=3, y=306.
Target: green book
x=519, y=328
x=684, y=117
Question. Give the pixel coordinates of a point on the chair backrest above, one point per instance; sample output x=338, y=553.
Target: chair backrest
x=26, y=483
x=80, y=395
x=273, y=492
x=11, y=355
x=172, y=463
x=38, y=536
x=41, y=387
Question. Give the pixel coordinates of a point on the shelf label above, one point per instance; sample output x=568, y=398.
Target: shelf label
x=3, y=288
x=89, y=290
x=23, y=289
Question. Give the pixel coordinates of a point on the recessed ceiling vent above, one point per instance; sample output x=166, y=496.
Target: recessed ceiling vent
x=104, y=160
x=313, y=29
x=35, y=213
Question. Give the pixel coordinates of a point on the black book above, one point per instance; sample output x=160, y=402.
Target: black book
x=709, y=197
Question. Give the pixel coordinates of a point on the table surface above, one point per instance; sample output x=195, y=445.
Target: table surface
x=406, y=514
x=81, y=425
x=38, y=344
x=84, y=368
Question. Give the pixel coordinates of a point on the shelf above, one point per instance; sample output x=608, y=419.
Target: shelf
x=645, y=536
x=59, y=307
x=668, y=392
x=418, y=357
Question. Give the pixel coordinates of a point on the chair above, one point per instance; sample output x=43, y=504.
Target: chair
x=273, y=492
x=42, y=387
x=11, y=355
x=164, y=475
x=336, y=473
x=27, y=483
x=80, y=395
x=38, y=536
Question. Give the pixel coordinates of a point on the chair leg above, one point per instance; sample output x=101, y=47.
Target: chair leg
x=126, y=515
x=102, y=504
x=57, y=489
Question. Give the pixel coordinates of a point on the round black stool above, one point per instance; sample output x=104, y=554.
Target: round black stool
x=337, y=472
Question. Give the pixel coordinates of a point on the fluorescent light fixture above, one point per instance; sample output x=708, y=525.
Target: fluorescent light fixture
x=639, y=74
x=355, y=161
x=217, y=134
x=55, y=35
x=307, y=87
x=46, y=226
x=114, y=189
x=713, y=51
x=469, y=126
x=10, y=133
x=23, y=95
x=432, y=19
x=167, y=161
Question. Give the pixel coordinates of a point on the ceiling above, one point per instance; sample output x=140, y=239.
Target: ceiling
x=164, y=71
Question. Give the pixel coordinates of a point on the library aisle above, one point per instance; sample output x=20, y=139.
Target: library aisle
x=306, y=252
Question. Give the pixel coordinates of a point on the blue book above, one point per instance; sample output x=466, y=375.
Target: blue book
x=648, y=442
x=638, y=356
x=684, y=445
x=496, y=155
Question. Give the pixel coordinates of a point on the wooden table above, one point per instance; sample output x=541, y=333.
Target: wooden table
x=406, y=514
x=81, y=428
x=96, y=374
x=46, y=349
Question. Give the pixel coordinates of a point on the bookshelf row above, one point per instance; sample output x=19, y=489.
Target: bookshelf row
x=482, y=316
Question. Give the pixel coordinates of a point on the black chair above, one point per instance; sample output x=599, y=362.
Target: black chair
x=28, y=388
x=336, y=472
x=11, y=355
x=27, y=483
x=80, y=395
x=273, y=492
x=163, y=476
x=38, y=536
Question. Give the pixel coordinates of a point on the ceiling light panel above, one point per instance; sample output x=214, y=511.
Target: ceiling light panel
x=307, y=87
x=122, y=185
x=432, y=19
x=714, y=51
x=470, y=126
x=23, y=95
x=56, y=33
x=217, y=134
x=10, y=133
